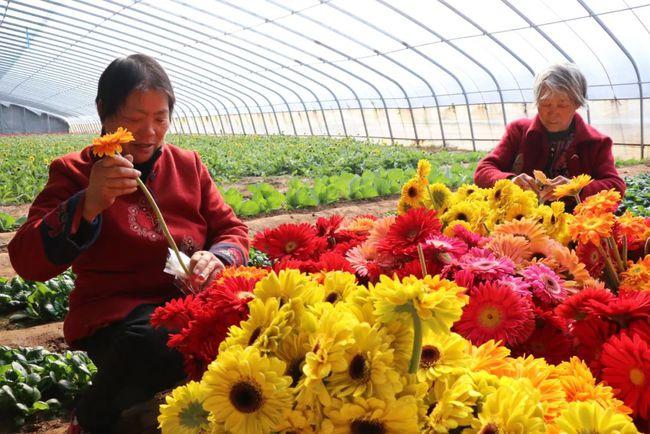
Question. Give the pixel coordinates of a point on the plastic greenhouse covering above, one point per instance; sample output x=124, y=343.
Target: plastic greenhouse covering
x=445, y=72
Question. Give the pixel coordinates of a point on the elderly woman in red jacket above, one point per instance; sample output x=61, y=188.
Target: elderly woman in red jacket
x=92, y=216
x=557, y=141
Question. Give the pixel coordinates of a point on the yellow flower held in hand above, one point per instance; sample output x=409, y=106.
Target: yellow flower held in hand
x=573, y=187
x=111, y=144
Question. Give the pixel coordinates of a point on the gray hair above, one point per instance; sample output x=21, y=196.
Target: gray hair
x=561, y=77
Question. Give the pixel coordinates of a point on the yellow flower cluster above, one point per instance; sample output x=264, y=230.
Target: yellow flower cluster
x=480, y=209
x=322, y=354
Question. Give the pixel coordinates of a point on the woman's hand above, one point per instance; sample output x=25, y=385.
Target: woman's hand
x=110, y=178
x=204, y=267
x=547, y=193
x=526, y=182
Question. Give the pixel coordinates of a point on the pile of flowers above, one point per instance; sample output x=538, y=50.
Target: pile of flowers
x=348, y=332
x=321, y=353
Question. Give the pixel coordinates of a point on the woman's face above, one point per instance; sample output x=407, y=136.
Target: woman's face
x=146, y=114
x=556, y=112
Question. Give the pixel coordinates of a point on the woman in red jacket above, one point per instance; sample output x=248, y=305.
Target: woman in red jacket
x=556, y=141
x=92, y=216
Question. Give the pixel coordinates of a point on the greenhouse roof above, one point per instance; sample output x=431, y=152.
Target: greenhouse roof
x=296, y=55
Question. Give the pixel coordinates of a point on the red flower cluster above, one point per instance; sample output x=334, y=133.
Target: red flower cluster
x=198, y=323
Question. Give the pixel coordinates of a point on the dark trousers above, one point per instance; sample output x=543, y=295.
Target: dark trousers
x=134, y=363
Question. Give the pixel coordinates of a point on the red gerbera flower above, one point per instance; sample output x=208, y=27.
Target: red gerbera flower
x=589, y=335
x=627, y=307
x=231, y=295
x=545, y=285
x=308, y=266
x=626, y=367
x=574, y=307
x=409, y=230
x=331, y=261
x=546, y=341
x=641, y=328
x=175, y=314
x=411, y=268
x=589, y=255
x=496, y=312
x=468, y=237
x=297, y=241
x=465, y=279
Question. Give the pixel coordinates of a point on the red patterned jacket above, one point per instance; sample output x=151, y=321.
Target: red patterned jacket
x=119, y=257
x=524, y=148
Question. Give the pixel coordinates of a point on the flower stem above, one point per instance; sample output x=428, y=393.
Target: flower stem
x=165, y=229
x=417, y=342
x=614, y=247
x=609, y=267
x=577, y=198
x=624, y=252
x=423, y=263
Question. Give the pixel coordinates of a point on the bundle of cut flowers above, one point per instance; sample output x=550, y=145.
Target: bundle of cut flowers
x=321, y=353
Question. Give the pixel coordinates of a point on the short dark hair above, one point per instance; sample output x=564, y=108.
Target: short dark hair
x=126, y=74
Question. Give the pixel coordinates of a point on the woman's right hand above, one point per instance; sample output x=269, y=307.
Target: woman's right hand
x=110, y=177
x=526, y=182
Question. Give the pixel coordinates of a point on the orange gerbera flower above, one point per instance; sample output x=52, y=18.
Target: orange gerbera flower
x=569, y=267
x=490, y=356
x=512, y=246
x=360, y=224
x=573, y=187
x=241, y=271
x=637, y=276
x=600, y=203
x=111, y=144
x=591, y=228
x=527, y=228
x=632, y=227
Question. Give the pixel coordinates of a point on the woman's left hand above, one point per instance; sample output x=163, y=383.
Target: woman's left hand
x=204, y=266
x=546, y=194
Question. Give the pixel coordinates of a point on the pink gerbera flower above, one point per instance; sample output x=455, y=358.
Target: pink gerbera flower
x=470, y=238
x=545, y=284
x=443, y=248
x=517, y=284
x=483, y=264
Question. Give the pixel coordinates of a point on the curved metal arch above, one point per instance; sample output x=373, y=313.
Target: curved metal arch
x=544, y=35
x=180, y=108
x=92, y=72
x=210, y=54
x=450, y=73
x=422, y=79
x=309, y=66
x=191, y=105
x=278, y=54
x=212, y=37
x=491, y=36
x=104, y=44
x=629, y=57
x=340, y=53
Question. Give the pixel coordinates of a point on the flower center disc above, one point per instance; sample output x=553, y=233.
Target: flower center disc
x=490, y=317
x=637, y=377
x=246, y=396
x=361, y=426
x=358, y=369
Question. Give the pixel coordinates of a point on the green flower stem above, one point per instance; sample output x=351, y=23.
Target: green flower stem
x=577, y=198
x=609, y=268
x=614, y=247
x=165, y=229
x=417, y=342
x=624, y=252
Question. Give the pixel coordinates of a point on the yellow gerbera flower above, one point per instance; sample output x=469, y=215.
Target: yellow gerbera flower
x=463, y=211
x=285, y=285
x=449, y=229
x=440, y=197
x=246, y=391
x=501, y=194
x=518, y=211
x=573, y=187
x=414, y=192
x=442, y=354
x=183, y=411
x=491, y=357
x=264, y=316
x=369, y=369
x=111, y=144
x=400, y=335
x=292, y=351
x=424, y=168
x=588, y=416
x=360, y=304
x=513, y=408
x=438, y=309
x=454, y=408
x=337, y=285
x=373, y=415
x=402, y=206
